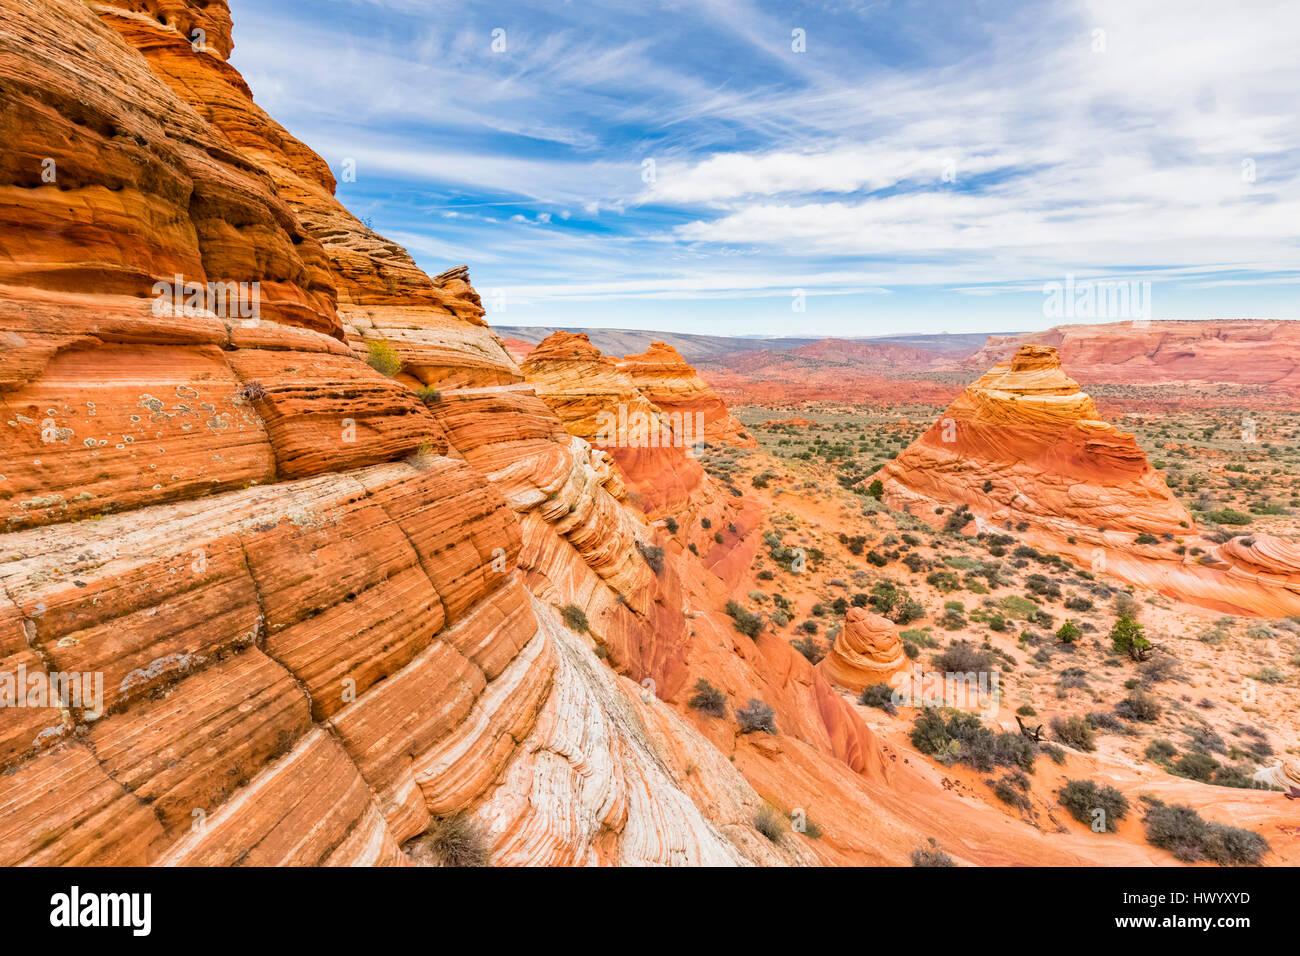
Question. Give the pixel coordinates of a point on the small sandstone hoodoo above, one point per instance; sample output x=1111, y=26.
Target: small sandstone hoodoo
x=867, y=651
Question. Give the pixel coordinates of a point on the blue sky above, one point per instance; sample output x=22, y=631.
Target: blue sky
x=918, y=167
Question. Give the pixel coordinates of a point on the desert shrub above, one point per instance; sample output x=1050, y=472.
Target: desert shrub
x=756, y=715
x=1125, y=604
x=931, y=855
x=962, y=737
x=746, y=623
x=1075, y=732
x=1269, y=675
x=1140, y=706
x=1082, y=798
x=1078, y=604
x=1069, y=633
x=876, y=489
x=672, y=526
x=653, y=555
x=1026, y=710
x=575, y=618
x=1183, y=832
x=1107, y=723
x=382, y=357
x=1056, y=754
x=428, y=395
x=1010, y=789
x=943, y=581
x=1160, y=668
x=908, y=611
x=878, y=695
x=454, y=841
x=1146, y=538
x=962, y=657
x=1195, y=766
x=1229, y=516
x=708, y=700
x=1072, y=678
x=770, y=823
x=1015, y=606
x=1161, y=751
x=810, y=649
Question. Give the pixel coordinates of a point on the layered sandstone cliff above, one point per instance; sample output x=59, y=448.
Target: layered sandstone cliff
x=323, y=605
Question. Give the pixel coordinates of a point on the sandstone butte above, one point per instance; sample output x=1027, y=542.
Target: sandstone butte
x=867, y=651
x=1025, y=451
x=327, y=605
x=666, y=379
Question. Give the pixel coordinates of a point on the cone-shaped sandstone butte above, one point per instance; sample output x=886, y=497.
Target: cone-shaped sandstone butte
x=666, y=379
x=1024, y=444
x=1024, y=449
x=867, y=651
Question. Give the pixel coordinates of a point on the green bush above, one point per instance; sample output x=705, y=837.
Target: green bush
x=1183, y=832
x=751, y=625
x=1068, y=633
x=879, y=695
x=428, y=394
x=1082, y=798
x=1229, y=516
x=1126, y=637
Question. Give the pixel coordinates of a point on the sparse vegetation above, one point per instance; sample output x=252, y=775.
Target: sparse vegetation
x=708, y=700
x=756, y=716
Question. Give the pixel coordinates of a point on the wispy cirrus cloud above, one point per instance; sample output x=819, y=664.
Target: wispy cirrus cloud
x=676, y=150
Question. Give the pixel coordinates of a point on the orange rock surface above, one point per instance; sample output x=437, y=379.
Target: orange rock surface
x=323, y=607
x=867, y=651
x=666, y=379
x=1023, y=443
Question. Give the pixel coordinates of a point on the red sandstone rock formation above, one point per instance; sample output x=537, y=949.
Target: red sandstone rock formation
x=1022, y=448
x=867, y=651
x=655, y=452
x=1258, y=352
x=1023, y=443
x=665, y=378
x=323, y=607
